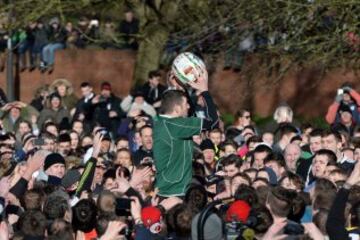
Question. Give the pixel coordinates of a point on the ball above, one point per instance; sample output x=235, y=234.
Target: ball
x=187, y=67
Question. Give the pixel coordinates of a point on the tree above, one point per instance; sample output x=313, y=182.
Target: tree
x=285, y=33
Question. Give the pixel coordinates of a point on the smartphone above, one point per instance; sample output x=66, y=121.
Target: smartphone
x=39, y=141
x=340, y=91
x=123, y=206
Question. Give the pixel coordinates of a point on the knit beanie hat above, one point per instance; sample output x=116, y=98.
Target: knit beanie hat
x=151, y=218
x=52, y=159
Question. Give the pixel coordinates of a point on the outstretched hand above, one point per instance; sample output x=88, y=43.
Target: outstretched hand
x=201, y=83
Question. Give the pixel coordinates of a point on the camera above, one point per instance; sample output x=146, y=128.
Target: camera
x=123, y=206
x=238, y=231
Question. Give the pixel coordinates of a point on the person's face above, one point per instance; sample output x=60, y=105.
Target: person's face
x=53, y=130
x=87, y=141
x=319, y=166
x=236, y=182
x=74, y=140
x=109, y=184
x=24, y=128
x=154, y=82
x=183, y=108
x=129, y=16
x=123, y=158
x=259, y=159
x=55, y=102
x=346, y=117
x=245, y=119
x=288, y=184
x=231, y=170
x=105, y=93
x=215, y=137
x=292, y=154
x=315, y=144
x=229, y=149
x=64, y=148
x=346, y=98
x=329, y=142
x=57, y=170
x=146, y=138
x=268, y=138
x=78, y=127
x=105, y=146
x=335, y=177
x=348, y=153
x=49, y=145
x=61, y=89
x=258, y=184
x=357, y=154
x=209, y=155
x=122, y=144
x=86, y=91
x=99, y=171
x=15, y=113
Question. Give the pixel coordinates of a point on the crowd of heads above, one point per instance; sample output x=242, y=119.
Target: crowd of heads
x=246, y=178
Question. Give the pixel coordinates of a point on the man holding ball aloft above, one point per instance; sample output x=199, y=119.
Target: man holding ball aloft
x=173, y=129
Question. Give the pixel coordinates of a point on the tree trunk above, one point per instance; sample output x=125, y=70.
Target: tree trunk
x=150, y=51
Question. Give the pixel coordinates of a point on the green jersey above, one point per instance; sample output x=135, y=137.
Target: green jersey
x=173, y=151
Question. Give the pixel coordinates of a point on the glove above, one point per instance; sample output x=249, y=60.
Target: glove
x=347, y=88
x=338, y=98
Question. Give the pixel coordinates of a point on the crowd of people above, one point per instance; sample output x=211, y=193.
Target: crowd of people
x=160, y=164
x=35, y=45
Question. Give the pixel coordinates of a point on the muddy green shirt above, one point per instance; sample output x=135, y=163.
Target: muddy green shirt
x=173, y=151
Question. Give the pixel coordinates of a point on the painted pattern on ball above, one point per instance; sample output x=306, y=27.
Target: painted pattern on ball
x=187, y=67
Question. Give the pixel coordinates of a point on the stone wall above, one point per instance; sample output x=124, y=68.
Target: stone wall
x=302, y=89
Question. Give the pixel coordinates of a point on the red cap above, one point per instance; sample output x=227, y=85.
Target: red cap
x=150, y=216
x=238, y=211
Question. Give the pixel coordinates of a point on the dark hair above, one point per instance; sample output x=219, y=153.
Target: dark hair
x=242, y=175
x=170, y=99
x=324, y=186
x=144, y=127
x=60, y=230
x=154, y=73
x=329, y=154
x=285, y=129
x=320, y=219
x=232, y=159
x=317, y=132
x=254, y=139
x=55, y=207
x=85, y=84
x=32, y=223
x=196, y=198
x=182, y=221
x=323, y=201
x=248, y=194
x=355, y=214
x=49, y=124
x=263, y=219
x=329, y=132
x=103, y=222
x=227, y=143
x=33, y=199
x=121, y=138
x=278, y=158
x=296, y=179
x=241, y=112
x=84, y=215
x=281, y=201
